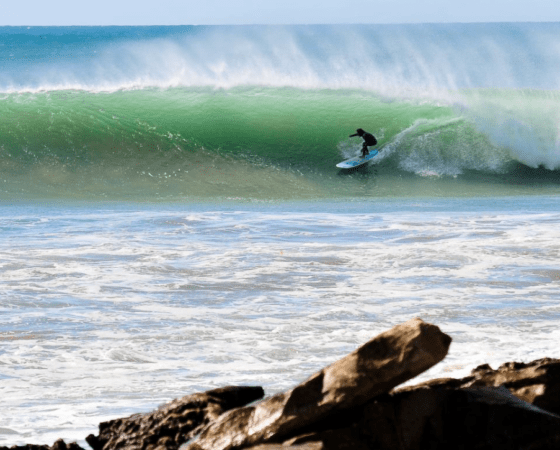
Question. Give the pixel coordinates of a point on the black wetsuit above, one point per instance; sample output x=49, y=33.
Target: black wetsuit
x=369, y=140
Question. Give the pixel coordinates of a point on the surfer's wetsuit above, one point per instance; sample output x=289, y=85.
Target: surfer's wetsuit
x=369, y=140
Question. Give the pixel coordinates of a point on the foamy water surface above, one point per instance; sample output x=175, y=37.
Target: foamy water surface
x=112, y=309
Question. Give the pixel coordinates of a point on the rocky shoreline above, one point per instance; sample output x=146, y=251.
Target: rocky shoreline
x=355, y=403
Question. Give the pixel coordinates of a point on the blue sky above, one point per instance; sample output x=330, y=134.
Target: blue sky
x=212, y=12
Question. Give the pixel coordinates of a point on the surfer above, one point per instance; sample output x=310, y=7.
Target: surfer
x=369, y=140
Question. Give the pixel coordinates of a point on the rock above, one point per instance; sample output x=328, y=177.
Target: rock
x=373, y=369
x=537, y=382
x=419, y=418
x=484, y=418
x=61, y=445
x=58, y=445
x=335, y=439
x=306, y=446
x=172, y=424
x=548, y=443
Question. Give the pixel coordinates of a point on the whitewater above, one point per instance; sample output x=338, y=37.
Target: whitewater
x=172, y=218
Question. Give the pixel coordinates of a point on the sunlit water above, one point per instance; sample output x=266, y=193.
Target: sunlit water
x=112, y=309
x=172, y=218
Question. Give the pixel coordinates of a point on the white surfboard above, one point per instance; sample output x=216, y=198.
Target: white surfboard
x=358, y=160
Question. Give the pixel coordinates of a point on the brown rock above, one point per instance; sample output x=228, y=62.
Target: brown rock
x=537, y=382
x=548, y=443
x=484, y=418
x=378, y=366
x=337, y=439
x=306, y=446
x=58, y=445
x=428, y=417
x=61, y=445
x=173, y=423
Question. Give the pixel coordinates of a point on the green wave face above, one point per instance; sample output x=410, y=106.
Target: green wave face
x=264, y=112
x=256, y=142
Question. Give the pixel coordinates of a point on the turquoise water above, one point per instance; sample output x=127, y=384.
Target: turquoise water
x=172, y=217
x=163, y=113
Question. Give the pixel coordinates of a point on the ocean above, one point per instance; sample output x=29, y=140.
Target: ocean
x=172, y=219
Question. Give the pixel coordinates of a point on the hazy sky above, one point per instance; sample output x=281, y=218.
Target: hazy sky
x=211, y=12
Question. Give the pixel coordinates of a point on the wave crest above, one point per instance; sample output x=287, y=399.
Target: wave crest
x=393, y=60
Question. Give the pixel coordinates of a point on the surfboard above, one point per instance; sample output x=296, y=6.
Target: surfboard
x=358, y=160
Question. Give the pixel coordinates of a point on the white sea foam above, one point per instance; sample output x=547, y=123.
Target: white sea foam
x=404, y=61
x=111, y=310
x=524, y=122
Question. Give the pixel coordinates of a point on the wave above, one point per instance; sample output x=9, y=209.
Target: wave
x=202, y=141
x=405, y=60
x=220, y=110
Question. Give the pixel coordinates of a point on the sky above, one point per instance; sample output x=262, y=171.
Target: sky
x=238, y=12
